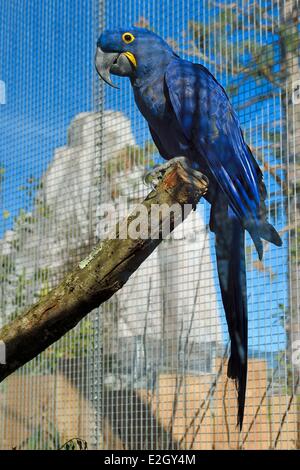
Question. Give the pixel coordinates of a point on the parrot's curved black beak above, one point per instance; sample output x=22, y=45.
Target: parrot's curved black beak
x=112, y=62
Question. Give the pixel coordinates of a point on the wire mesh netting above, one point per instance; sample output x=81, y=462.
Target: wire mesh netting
x=147, y=370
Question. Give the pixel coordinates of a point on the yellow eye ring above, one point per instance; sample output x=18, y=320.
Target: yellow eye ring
x=128, y=38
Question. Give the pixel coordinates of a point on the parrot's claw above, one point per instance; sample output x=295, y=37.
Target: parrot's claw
x=155, y=175
x=152, y=177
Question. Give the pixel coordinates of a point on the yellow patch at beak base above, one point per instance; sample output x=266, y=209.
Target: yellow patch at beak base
x=131, y=57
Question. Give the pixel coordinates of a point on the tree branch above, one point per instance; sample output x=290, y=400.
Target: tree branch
x=99, y=276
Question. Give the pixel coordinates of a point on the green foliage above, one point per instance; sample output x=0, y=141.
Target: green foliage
x=77, y=343
x=75, y=444
x=2, y=173
x=46, y=436
x=129, y=157
x=5, y=213
x=253, y=50
x=289, y=35
x=32, y=190
x=43, y=436
x=7, y=268
x=26, y=286
x=250, y=44
x=32, y=185
x=295, y=245
x=22, y=284
x=132, y=156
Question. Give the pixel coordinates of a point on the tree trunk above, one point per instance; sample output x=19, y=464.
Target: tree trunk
x=100, y=275
x=289, y=16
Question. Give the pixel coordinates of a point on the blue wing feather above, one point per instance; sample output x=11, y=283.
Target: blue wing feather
x=192, y=116
x=211, y=125
x=208, y=121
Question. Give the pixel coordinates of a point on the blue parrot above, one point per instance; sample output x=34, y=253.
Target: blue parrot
x=189, y=114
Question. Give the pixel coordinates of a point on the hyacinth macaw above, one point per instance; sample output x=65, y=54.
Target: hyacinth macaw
x=189, y=114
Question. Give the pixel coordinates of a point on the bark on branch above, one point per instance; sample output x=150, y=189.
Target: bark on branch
x=96, y=278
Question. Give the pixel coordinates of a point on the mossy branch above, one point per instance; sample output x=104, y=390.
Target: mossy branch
x=96, y=278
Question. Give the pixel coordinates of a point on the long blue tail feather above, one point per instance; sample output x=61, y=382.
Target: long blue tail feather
x=230, y=253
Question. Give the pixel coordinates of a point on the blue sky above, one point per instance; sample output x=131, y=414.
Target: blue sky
x=47, y=65
x=47, y=51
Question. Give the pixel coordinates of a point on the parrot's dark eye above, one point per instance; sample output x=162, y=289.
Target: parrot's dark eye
x=128, y=38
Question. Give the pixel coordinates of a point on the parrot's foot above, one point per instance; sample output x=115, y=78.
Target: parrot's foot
x=153, y=177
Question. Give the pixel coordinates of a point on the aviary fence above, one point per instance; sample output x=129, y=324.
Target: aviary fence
x=148, y=369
